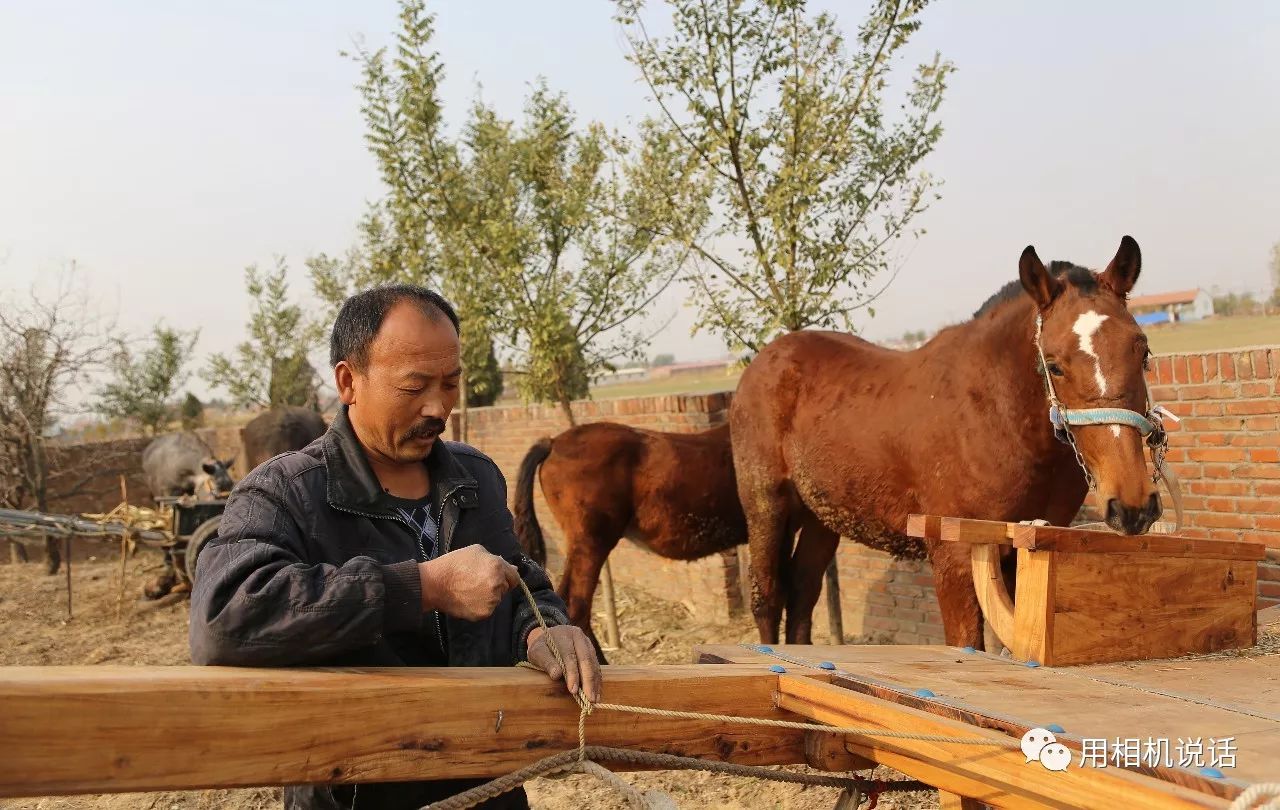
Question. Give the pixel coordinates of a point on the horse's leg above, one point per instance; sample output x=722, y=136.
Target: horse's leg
x=815, y=547
x=769, y=543
x=585, y=558
x=957, y=599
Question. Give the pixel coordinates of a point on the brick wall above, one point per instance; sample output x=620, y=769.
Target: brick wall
x=1226, y=450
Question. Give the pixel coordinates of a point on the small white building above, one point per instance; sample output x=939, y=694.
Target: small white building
x=1171, y=307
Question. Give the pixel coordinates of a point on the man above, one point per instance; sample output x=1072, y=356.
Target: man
x=380, y=544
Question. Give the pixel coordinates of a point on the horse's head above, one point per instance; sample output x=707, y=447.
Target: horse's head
x=1095, y=356
x=217, y=476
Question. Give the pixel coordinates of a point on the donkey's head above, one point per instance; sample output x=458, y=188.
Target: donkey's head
x=1094, y=358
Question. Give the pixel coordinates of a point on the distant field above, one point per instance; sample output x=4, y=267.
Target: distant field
x=689, y=384
x=1215, y=334
x=1203, y=336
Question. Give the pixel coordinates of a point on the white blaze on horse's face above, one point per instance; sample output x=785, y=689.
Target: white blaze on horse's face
x=1086, y=326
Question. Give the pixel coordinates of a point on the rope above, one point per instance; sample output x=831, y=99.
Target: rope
x=597, y=753
x=846, y=730
x=1263, y=790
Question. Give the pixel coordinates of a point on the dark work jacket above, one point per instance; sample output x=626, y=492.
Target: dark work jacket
x=308, y=569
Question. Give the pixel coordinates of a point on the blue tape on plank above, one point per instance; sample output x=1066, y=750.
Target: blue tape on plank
x=777, y=668
x=925, y=693
x=827, y=665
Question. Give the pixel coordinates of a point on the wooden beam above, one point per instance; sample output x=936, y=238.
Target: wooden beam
x=106, y=729
x=997, y=776
x=1055, y=538
x=993, y=595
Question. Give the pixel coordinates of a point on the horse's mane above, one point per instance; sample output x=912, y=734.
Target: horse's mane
x=1079, y=277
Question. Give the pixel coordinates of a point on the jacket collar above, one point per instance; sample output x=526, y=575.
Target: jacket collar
x=351, y=482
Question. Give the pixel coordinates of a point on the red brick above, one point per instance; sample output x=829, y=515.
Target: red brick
x=1261, y=369
x=1217, y=520
x=1249, y=407
x=1195, y=369
x=1211, y=439
x=1207, y=391
x=1267, y=571
x=1256, y=389
x=1220, y=504
x=1207, y=409
x=1266, y=487
x=1263, y=603
x=1261, y=423
x=1244, y=365
x=1180, y=370
x=1216, y=454
x=1269, y=590
x=1211, y=471
x=1265, y=455
x=1201, y=423
x=1267, y=439
x=1217, y=487
x=1258, y=506
x=1226, y=367
x=1268, y=471
x=1269, y=523
x=1224, y=534
x=1164, y=393
x=1210, y=367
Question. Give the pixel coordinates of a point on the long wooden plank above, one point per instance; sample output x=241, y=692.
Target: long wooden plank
x=1055, y=538
x=111, y=729
x=990, y=692
x=1007, y=779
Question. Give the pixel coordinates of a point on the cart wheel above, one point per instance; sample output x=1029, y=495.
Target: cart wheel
x=203, y=534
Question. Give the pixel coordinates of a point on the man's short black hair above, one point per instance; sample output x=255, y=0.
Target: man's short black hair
x=362, y=315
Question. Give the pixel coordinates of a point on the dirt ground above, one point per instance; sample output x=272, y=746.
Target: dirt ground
x=36, y=631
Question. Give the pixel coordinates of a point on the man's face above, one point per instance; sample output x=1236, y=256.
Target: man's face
x=401, y=401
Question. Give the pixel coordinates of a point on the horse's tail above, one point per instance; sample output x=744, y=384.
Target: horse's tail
x=526, y=519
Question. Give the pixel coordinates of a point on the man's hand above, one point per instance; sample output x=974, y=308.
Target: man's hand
x=467, y=583
x=581, y=666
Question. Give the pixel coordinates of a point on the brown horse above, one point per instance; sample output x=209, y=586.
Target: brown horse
x=834, y=436
x=673, y=492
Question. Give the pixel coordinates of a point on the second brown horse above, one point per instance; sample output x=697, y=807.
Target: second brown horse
x=672, y=492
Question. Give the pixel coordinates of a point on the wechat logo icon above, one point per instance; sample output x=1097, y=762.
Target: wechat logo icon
x=1039, y=745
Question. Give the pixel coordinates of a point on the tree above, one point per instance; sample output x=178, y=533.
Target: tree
x=47, y=348
x=192, y=412
x=400, y=237
x=547, y=236
x=142, y=388
x=271, y=367
x=660, y=360
x=561, y=225
x=814, y=173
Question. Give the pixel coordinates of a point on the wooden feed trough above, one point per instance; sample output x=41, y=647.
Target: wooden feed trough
x=1085, y=597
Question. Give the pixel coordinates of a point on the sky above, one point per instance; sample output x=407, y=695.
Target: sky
x=163, y=147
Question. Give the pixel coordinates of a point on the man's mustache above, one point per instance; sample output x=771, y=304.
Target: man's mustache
x=425, y=428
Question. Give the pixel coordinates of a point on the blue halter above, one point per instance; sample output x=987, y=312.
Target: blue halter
x=1148, y=425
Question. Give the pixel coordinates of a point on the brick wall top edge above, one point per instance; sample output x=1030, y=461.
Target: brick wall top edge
x=1227, y=350
x=708, y=403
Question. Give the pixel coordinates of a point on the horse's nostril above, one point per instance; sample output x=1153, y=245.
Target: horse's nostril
x=1113, y=509
x=1154, y=507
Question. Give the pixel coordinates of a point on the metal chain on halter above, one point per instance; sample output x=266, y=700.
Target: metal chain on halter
x=1055, y=403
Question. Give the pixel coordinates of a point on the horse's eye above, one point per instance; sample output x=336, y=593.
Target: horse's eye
x=1054, y=368
x=1146, y=360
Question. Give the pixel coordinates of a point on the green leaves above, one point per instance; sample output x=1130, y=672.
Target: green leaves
x=271, y=367
x=142, y=387
x=814, y=175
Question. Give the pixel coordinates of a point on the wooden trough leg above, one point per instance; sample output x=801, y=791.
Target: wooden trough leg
x=993, y=596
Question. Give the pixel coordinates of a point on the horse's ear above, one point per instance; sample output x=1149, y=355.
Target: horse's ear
x=1039, y=283
x=1123, y=271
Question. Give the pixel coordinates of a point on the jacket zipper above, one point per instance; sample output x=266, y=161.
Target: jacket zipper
x=440, y=538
